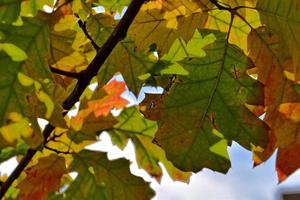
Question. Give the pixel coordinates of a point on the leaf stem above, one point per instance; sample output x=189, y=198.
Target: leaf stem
x=118, y=34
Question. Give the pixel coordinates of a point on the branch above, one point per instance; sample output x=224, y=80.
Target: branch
x=87, y=75
x=65, y=73
x=221, y=7
x=82, y=25
x=53, y=138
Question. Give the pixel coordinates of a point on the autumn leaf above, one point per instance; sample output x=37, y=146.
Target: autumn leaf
x=102, y=106
x=132, y=125
x=280, y=92
x=18, y=128
x=290, y=110
x=42, y=178
x=100, y=26
x=176, y=18
x=285, y=23
x=229, y=71
x=195, y=114
x=27, y=86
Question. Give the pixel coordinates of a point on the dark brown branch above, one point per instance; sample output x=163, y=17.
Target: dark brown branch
x=87, y=75
x=82, y=25
x=65, y=73
x=221, y=7
x=53, y=138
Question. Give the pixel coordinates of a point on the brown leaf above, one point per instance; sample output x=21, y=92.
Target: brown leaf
x=42, y=178
x=281, y=95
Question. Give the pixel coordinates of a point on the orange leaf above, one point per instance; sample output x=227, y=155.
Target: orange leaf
x=42, y=178
x=281, y=114
x=103, y=106
x=291, y=111
x=287, y=161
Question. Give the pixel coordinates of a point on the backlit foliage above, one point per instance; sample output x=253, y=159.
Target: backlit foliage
x=230, y=70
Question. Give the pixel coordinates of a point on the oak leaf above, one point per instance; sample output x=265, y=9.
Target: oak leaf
x=42, y=178
x=179, y=18
x=102, y=106
x=280, y=92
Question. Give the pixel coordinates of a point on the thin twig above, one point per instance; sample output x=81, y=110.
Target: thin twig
x=57, y=151
x=65, y=73
x=53, y=138
x=82, y=25
x=87, y=75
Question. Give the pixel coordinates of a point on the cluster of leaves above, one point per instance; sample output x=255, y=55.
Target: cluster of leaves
x=229, y=69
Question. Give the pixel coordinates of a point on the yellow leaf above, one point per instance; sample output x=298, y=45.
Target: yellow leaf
x=17, y=129
x=25, y=80
x=43, y=97
x=290, y=111
x=162, y=22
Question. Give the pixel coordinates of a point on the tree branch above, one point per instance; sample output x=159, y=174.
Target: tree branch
x=87, y=75
x=65, y=73
x=221, y=7
x=82, y=25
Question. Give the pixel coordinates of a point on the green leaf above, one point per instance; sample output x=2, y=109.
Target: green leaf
x=141, y=131
x=180, y=50
x=129, y=62
x=31, y=7
x=100, y=26
x=99, y=178
x=132, y=124
x=9, y=10
x=211, y=98
x=27, y=87
x=9, y=152
x=220, y=20
x=13, y=51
